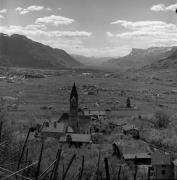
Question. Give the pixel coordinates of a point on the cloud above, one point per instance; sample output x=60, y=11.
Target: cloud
x=40, y=30
x=1, y=17
x=54, y=20
x=71, y=41
x=23, y=11
x=19, y=9
x=109, y=34
x=158, y=7
x=59, y=9
x=3, y=11
x=162, y=7
x=147, y=33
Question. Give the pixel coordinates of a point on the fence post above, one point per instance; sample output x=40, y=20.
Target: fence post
x=23, y=149
x=39, y=162
x=67, y=169
x=119, y=172
x=82, y=168
x=107, y=168
x=56, y=165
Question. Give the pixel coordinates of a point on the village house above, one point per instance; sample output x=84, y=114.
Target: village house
x=162, y=166
x=76, y=139
x=55, y=130
x=130, y=154
x=129, y=129
x=138, y=158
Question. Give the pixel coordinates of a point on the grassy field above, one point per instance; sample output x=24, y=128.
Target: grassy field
x=54, y=90
x=48, y=97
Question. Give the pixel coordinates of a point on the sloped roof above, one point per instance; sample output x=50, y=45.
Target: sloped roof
x=133, y=146
x=60, y=128
x=94, y=112
x=161, y=158
x=129, y=127
x=64, y=117
x=137, y=156
x=85, y=138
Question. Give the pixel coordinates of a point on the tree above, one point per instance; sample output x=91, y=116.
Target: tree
x=128, y=103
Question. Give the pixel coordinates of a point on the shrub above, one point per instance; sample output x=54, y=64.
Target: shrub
x=161, y=119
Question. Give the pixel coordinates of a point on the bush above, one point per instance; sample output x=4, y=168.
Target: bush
x=161, y=119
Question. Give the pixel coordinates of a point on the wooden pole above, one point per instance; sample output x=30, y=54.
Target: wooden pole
x=23, y=149
x=63, y=170
x=98, y=166
x=11, y=172
x=15, y=173
x=26, y=162
x=47, y=169
x=119, y=172
x=53, y=170
x=107, y=168
x=39, y=162
x=56, y=165
x=149, y=172
x=82, y=169
x=1, y=123
x=26, y=157
x=136, y=168
x=67, y=169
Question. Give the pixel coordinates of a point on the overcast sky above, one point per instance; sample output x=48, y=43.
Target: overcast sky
x=99, y=28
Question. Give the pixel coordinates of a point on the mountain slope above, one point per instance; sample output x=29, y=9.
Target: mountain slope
x=170, y=61
x=19, y=51
x=141, y=57
x=90, y=60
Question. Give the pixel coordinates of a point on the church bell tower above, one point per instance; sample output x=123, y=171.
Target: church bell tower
x=73, y=119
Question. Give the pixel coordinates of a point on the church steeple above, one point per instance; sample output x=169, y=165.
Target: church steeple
x=74, y=93
x=74, y=108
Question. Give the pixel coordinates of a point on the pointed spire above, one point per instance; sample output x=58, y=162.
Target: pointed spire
x=74, y=92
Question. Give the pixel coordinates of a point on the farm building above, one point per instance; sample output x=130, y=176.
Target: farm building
x=94, y=113
x=138, y=158
x=162, y=165
x=55, y=130
x=76, y=139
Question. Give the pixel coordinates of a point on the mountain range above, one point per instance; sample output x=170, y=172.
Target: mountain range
x=19, y=51
x=154, y=57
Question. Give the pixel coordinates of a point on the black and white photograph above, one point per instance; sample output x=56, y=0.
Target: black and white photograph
x=88, y=89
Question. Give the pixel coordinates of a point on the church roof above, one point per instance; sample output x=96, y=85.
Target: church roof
x=64, y=117
x=74, y=92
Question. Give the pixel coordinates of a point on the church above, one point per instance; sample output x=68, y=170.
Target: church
x=73, y=127
x=75, y=118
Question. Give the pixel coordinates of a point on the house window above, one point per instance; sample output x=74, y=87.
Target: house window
x=163, y=172
x=164, y=166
